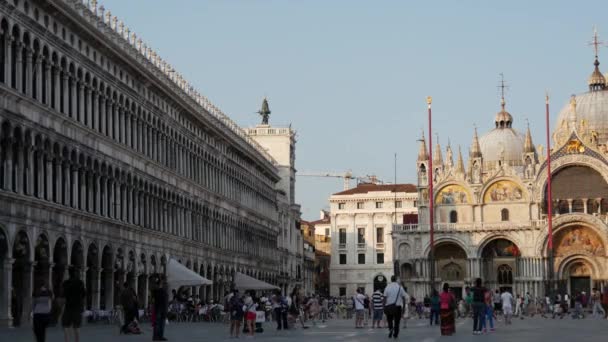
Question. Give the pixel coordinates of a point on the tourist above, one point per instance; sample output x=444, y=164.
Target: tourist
x=324, y=309
x=469, y=301
x=359, y=303
x=604, y=299
x=558, y=307
x=378, y=305
x=597, y=304
x=578, y=306
x=128, y=301
x=279, y=306
x=518, y=303
x=478, y=306
x=488, y=312
x=405, y=314
x=236, y=314
x=161, y=304
x=394, y=301
x=447, y=305
x=313, y=309
x=507, y=306
x=74, y=292
x=497, y=302
x=435, y=307
x=41, y=308
x=250, y=311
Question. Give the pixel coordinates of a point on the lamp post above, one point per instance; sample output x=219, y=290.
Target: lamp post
x=550, y=256
x=429, y=101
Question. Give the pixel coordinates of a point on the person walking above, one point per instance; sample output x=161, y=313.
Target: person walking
x=478, y=306
x=394, y=301
x=597, y=304
x=41, y=308
x=378, y=307
x=250, y=310
x=518, y=303
x=497, y=303
x=488, y=312
x=236, y=314
x=74, y=292
x=128, y=301
x=435, y=307
x=161, y=304
x=507, y=306
x=280, y=306
x=447, y=305
x=359, y=303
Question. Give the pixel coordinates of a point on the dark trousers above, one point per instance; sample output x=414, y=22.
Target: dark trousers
x=159, y=325
x=393, y=317
x=281, y=316
x=478, y=315
x=434, y=316
x=129, y=317
x=41, y=321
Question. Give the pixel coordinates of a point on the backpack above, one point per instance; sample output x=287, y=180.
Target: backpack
x=366, y=303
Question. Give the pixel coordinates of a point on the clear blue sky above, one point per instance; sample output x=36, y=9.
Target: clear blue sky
x=352, y=76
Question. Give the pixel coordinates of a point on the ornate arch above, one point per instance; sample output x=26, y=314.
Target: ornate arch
x=567, y=220
x=448, y=239
x=493, y=237
x=511, y=196
x=563, y=267
x=457, y=190
x=562, y=162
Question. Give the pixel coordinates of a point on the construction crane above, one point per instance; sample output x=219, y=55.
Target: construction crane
x=346, y=176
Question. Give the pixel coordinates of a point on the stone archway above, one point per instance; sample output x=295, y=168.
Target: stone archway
x=91, y=277
x=577, y=275
x=60, y=261
x=42, y=262
x=106, y=295
x=499, y=263
x=451, y=265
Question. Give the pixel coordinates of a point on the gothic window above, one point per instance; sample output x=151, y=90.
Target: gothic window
x=505, y=274
x=504, y=214
x=453, y=216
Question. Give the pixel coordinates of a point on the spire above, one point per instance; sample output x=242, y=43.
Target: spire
x=264, y=111
x=437, y=156
x=475, y=148
x=503, y=118
x=596, y=81
x=422, y=151
x=460, y=162
x=528, y=145
x=449, y=160
x=572, y=114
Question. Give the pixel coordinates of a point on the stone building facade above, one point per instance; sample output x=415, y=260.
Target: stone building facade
x=280, y=143
x=361, y=227
x=491, y=216
x=110, y=162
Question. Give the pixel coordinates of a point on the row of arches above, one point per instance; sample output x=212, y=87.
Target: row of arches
x=102, y=266
x=36, y=166
x=35, y=69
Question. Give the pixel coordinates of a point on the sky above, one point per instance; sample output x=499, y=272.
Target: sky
x=352, y=76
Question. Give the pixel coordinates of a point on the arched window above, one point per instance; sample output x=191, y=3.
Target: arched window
x=504, y=214
x=453, y=216
x=504, y=274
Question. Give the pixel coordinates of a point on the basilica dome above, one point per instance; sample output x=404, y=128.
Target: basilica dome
x=588, y=113
x=503, y=143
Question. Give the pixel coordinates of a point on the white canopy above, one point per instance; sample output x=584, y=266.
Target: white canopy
x=179, y=275
x=245, y=282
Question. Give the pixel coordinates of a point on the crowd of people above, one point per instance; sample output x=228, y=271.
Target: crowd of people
x=247, y=311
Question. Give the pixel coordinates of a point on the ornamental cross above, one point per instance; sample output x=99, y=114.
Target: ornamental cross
x=596, y=42
x=502, y=86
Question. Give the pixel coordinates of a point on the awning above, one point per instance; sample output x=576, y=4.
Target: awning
x=245, y=282
x=179, y=275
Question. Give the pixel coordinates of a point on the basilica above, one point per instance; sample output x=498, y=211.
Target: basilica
x=491, y=214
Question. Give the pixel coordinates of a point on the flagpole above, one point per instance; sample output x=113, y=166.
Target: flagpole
x=429, y=100
x=550, y=255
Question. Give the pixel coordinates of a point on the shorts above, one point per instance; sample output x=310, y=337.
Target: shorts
x=360, y=314
x=378, y=313
x=251, y=316
x=71, y=319
x=507, y=310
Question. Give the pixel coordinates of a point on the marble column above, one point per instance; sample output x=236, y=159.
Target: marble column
x=38, y=84
x=8, y=53
x=19, y=67
x=28, y=72
x=6, y=283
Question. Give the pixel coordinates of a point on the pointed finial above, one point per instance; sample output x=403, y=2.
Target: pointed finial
x=546, y=96
x=502, y=87
x=596, y=81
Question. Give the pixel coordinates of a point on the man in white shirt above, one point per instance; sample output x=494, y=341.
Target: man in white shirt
x=359, y=301
x=394, y=301
x=507, y=305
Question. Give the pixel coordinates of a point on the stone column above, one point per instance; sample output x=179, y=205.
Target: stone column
x=49, y=177
x=95, y=110
x=28, y=283
x=65, y=77
x=8, y=164
x=109, y=289
x=6, y=283
x=57, y=88
x=102, y=115
x=110, y=118
x=81, y=113
x=57, y=181
x=38, y=71
x=98, y=192
x=28, y=72
x=82, y=187
x=30, y=171
x=19, y=67
x=40, y=174
x=67, y=186
x=8, y=53
x=75, y=186
x=47, y=83
x=95, y=290
x=570, y=205
x=20, y=170
x=89, y=108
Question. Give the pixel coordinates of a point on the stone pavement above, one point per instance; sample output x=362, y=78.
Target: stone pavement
x=530, y=329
